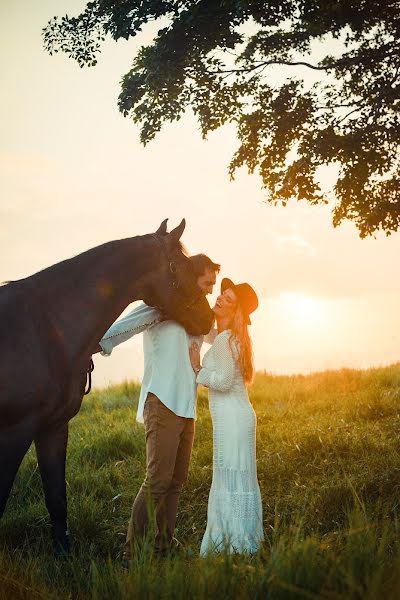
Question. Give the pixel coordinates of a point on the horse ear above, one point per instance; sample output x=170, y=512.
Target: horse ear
x=162, y=230
x=175, y=234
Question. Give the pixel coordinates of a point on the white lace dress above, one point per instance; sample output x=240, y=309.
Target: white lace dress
x=234, y=517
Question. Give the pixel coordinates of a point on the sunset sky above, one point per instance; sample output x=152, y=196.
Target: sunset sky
x=74, y=175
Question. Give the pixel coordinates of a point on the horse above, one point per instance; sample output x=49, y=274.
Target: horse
x=51, y=323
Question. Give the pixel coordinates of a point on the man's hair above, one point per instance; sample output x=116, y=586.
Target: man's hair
x=201, y=262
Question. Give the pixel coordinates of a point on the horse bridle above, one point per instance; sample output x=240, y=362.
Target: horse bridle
x=89, y=372
x=175, y=283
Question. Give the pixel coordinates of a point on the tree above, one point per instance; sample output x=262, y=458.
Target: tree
x=216, y=56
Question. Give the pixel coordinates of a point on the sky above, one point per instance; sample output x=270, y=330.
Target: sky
x=73, y=175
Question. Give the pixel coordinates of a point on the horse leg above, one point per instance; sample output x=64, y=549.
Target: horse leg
x=14, y=444
x=51, y=450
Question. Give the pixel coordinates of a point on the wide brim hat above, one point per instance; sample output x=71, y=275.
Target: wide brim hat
x=245, y=294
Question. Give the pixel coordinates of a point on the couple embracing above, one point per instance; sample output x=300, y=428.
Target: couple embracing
x=167, y=407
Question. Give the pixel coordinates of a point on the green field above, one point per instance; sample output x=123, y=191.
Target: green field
x=329, y=471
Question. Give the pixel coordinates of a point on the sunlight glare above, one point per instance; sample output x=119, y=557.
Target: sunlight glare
x=302, y=308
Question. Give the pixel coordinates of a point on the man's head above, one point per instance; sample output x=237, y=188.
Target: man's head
x=206, y=272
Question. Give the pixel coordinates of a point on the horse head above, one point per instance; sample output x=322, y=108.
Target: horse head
x=174, y=288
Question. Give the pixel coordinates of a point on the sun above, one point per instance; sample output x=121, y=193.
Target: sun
x=300, y=308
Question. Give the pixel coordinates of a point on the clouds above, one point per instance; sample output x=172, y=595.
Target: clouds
x=291, y=241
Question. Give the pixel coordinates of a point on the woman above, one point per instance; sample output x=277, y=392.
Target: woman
x=234, y=521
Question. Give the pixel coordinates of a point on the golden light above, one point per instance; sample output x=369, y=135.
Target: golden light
x=302, y=309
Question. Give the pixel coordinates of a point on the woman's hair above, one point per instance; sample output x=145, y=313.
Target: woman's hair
x=240, y=338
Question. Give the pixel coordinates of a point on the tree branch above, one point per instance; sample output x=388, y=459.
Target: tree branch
x=267, y=63
x=345, y=61
x=347, y=115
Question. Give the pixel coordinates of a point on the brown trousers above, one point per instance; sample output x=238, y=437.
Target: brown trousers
x=169, y=441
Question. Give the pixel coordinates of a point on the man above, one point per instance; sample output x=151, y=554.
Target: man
x=167, y=407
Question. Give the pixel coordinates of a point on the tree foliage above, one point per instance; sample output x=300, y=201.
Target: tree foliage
x=248, y=62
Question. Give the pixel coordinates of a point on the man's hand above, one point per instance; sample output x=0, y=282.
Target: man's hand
x=194, y=353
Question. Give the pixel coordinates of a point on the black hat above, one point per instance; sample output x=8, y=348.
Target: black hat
x=245, y=294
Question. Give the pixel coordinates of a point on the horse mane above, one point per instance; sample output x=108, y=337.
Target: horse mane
x=183, y=248
x=87, y=256
x=84, y=259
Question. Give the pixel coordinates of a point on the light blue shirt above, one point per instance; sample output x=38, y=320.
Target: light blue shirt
x=168, y=372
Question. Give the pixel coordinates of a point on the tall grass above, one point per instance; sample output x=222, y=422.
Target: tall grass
x=328, y=448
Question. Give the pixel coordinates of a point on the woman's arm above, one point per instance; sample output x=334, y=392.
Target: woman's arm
x=221, y=378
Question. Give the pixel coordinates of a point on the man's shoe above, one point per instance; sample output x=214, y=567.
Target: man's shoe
x=176, y=547
x=126, y=559
x=125, y=564
x=162, y=551
x=179, y=549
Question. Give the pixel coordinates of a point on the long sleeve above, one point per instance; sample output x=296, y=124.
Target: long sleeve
x=139, y=319
x=220, y=379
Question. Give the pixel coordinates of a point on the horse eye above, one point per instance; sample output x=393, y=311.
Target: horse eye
x=172, y=267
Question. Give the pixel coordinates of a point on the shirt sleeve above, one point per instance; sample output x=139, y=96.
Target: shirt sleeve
x=139, y=319
x=220, y=379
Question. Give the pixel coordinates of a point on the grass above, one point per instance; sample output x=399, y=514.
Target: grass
x=328, y=448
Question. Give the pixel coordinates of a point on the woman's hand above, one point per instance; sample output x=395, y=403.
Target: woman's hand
x=194, y=353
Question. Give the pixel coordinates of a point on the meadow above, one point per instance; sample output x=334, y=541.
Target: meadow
x=328, y=448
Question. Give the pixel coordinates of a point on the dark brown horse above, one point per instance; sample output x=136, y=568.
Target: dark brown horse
x=50, y=325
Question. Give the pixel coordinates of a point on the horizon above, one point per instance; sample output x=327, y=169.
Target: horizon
x=261, y=373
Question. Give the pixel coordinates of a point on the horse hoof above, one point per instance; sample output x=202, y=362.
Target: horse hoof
x=61, y=544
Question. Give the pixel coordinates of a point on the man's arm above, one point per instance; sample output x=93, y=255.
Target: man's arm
x=139, y=319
